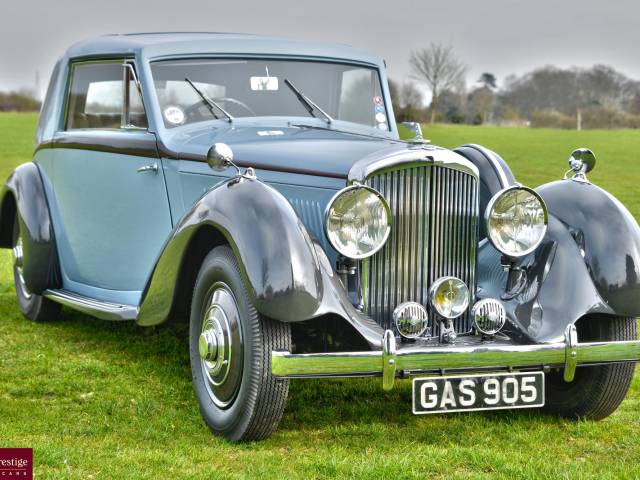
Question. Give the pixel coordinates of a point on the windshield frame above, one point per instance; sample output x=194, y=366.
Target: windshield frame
x=309, y=120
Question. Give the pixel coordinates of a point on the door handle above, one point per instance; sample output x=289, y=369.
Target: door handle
x=148, y=168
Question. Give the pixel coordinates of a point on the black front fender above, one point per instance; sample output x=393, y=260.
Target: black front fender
x=607, y=236
x=287, y=273
x=23, y=194
x=588, y=263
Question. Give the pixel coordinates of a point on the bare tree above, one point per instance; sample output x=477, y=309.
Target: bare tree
x=438, y=67
x=481, y=102
x=407, y=101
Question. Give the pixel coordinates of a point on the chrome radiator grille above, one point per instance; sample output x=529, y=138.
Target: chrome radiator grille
x=434, y=234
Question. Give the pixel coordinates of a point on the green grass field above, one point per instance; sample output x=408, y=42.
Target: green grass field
x=104, y=400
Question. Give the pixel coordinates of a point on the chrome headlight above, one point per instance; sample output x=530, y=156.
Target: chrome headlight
x=449, y=297
x=357, y=221
x=516, y=221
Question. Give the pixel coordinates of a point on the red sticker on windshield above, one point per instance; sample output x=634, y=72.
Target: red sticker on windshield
x=377, y=100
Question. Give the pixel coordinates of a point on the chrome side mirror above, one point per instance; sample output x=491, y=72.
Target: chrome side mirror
x=582, y=160
x=220, y=157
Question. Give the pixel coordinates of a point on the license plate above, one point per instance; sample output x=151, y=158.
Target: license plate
x=495, y=391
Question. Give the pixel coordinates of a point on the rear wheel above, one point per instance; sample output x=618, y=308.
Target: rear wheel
x=596, y=392
x=34, y=307
x=230, y=351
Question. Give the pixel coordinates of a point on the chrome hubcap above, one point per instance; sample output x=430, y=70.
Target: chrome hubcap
x=214, y=345
x=208, y=345
x=220, y=345
x=18, y=263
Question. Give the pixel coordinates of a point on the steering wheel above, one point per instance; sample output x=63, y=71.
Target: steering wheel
x=193, y=112
x=236, y=102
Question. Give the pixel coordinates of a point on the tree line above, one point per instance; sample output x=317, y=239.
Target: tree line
x=20, y=101
x=595, y=97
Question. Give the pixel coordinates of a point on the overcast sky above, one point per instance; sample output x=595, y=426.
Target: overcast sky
x=498, y=36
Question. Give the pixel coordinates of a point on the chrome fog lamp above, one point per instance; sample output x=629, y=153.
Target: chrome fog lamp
x=516, y=221
x=357, y=221
x=411, y=319
x=449, y=297
x=489, y=316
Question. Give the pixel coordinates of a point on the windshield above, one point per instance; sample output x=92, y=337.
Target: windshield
x=256, y=88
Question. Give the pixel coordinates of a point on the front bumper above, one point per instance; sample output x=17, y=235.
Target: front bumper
x=391, y=362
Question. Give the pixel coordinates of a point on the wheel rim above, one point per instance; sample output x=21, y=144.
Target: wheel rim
x=18, y=264
x=220, y=345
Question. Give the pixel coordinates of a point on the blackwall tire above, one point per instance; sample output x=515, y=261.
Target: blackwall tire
x=239, y=400
x=34, y=307
x=596, y=392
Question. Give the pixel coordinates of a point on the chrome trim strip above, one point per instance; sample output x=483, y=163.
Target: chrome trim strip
x=401, y=156
x=95, y=308
x=504, y=181
x=414, y=360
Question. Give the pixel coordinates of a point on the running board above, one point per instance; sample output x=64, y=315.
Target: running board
x=90, y=306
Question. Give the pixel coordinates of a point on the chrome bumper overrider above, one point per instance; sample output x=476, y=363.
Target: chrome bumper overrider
x=390, y=361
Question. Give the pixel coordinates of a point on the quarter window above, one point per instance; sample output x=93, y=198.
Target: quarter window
x=97, y=98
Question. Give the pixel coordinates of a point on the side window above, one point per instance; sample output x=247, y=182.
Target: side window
x=97, y=98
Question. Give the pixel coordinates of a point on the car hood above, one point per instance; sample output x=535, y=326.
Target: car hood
x=311, y=150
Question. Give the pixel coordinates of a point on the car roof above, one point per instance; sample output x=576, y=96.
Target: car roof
x=172, y=44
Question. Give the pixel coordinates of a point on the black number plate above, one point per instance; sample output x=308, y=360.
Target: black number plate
x=493, y=391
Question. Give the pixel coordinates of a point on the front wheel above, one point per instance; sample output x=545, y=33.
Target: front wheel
x=230, y=347
x=595, y=392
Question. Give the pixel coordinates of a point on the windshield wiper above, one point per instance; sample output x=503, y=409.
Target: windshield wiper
x=308, y=103
x=210, y=103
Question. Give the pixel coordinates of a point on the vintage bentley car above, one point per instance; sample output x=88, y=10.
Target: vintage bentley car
x=258, y=188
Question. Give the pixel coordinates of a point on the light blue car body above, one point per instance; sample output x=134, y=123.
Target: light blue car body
x=111, y=222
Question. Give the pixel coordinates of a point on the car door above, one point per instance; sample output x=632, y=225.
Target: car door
x=107, y=191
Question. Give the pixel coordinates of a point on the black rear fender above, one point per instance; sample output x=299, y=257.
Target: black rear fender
x=23, y=195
